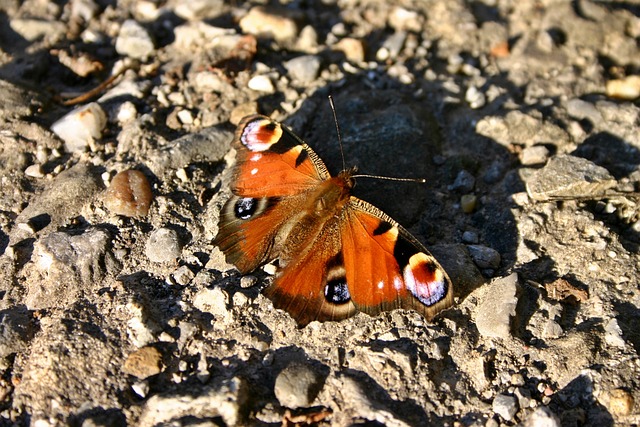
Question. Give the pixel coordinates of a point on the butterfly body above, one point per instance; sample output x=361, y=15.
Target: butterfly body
x=336, y=253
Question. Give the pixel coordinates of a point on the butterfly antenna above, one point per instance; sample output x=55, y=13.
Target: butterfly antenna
x=391, y=178
x=335, y=120
x=344, y=166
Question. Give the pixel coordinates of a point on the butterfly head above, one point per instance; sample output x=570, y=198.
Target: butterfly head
x=348, y=176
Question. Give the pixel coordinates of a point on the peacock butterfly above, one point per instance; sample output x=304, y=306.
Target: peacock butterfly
x=336, y=254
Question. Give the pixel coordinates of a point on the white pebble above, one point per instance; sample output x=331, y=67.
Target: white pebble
x=34, y=171
x=185, y=117
x=134, y=41
x=127, y=112
x=81, y=126
x=261, y=84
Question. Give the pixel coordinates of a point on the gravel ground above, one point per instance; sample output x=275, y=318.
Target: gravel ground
x=117, y=118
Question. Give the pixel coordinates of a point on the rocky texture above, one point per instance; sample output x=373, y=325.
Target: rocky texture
x=521, y=116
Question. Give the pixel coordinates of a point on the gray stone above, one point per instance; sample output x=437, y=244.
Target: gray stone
x=392, y=46
x=536, y=155
x=470, y=237
x=34, y=29
x=464, y=182
x=297, y=385
x=224, y=399
x=163, y=246
x=579, y=109
x=613, y=334
x=16, y=101
x=494, y=172
x=134, y=41
x=303, y=69
x=195, y=10
x=505, y=406
x=62, y=199
x=208, y=145
x=485, y=257
x=213, y=300
x=15, y=330
x=542, y=417
x=566, y=176
x=552, y=329
x=362, y=403
x=69, y=261
x=77, y=342
x=497, y=306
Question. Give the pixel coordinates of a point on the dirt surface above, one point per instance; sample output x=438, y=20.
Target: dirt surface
x=116, y=309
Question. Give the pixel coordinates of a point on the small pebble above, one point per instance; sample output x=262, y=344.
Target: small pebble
x=354, y=49
x=464, y=182
x=568, y=176
x=470, y=237
x=307, y=40
x=536, y=155
x=129, y=194
x=505, y=406
x=127, y=112
x=34, y=171
x=405, y=20
x=613, y=334
x=214, y=301
x=552, y=329
x=626, y=89
x=475, y=98
x=261, y=84
x=182, y=175
x=185, y=117
x=484, y=257
x=493, y=317
x=141, y=388
x=134, y=41
x=262, y=22
x=542, y=417
x=517, y=380
x=297, y=386
x=580, y=109
x=163, y=246
x=392, y=46
x=143, y=363
x=303, y=69
x=84, y=10
x=468, y=202
x=81, y=127
x=248, y=281
x=521, y=198
x=183, y=275
x=200, y=10
x=494, y=172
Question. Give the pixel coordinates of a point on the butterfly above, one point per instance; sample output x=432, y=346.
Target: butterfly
x=336, y=254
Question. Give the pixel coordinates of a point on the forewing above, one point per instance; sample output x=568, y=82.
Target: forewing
x=272, y=161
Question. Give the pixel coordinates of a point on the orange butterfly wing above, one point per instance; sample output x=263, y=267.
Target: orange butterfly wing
x=387, y=268
x=273, y=162
x=300, y=288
